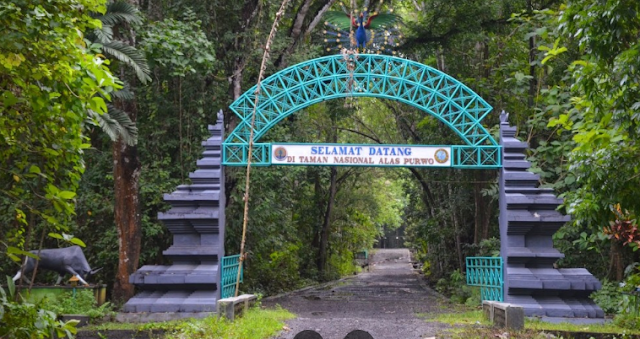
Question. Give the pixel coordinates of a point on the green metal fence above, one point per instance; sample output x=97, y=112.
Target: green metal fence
x=364, y=254
x=229, y=275
x=486, y=272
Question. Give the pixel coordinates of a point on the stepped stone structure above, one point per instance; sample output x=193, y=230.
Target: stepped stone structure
x=528, y=219
x=196, y=220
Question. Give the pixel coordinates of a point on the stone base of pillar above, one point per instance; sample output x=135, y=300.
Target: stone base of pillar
x=196, y=220
x=528, y=220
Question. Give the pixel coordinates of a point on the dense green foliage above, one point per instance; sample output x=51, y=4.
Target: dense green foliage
x=82, y=302
x=565, y=70
x=23, y=320
x=49, y=79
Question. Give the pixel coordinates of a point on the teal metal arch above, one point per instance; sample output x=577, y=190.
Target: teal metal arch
x=381, y=76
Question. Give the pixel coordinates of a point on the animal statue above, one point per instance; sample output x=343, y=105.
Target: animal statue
x=69, y=260
x=375, y=32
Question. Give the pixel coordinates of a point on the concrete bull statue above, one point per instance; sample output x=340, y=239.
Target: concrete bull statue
x=62, y=260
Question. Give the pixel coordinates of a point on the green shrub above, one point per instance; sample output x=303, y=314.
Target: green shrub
x=22, y=320
x=616, y=298
x=627, y=320
x=456, y=288
x=475, y=297
x=81, y=302
x=486, y=248
x=609, y=297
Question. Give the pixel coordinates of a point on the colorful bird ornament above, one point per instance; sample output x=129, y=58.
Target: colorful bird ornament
x=375, y=33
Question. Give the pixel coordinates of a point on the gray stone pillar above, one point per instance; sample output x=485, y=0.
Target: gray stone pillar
x=196, y=220
x=528, y=220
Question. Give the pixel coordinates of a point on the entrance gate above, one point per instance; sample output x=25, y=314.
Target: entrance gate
x=528, y=216
x=387, y=77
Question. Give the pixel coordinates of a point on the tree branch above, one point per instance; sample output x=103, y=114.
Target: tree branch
x=318, y=16
x=345, y=175
x=295, y=33
x=420, y=6
x=360, y=133
x=426, y=36
x=428, y=196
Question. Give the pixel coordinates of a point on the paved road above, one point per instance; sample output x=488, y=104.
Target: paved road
x=383, y=302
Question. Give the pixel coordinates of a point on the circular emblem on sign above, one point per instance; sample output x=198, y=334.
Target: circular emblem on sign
x=280, y=153
x=442, y=156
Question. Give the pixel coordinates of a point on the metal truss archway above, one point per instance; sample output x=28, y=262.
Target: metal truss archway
x=380, y=76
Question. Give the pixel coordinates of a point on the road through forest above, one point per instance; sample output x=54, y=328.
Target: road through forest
x=385, y=302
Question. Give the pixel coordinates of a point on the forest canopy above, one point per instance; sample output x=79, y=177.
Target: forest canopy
x=153, y=75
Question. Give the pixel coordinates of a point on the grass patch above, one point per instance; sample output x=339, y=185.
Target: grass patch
x=487, y=332
x=167, y=325
x=472, y=324
x=254, y=324
x=595, y=328
x=464, y=317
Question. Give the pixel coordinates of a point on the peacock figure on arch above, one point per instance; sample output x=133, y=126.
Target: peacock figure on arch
x=364, y=31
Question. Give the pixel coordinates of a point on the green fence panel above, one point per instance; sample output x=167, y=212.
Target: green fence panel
x=486, y=272
x=229, y=275
x=364, y=254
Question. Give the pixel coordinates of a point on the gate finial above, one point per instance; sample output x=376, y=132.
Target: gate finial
x=504, y=117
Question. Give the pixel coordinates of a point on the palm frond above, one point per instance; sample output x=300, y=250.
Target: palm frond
x=338, y=19
x=107, y=124
x=116, y=124
x=130, y=56
x=119, y=12
x=102, y=35
x=128, y=129
x=123, y=94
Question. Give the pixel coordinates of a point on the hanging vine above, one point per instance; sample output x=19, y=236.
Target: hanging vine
x=263, y=66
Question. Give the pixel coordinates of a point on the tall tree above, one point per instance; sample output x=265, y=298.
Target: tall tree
x=118, y=39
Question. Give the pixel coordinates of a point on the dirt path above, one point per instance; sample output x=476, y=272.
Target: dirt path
x=383, y=302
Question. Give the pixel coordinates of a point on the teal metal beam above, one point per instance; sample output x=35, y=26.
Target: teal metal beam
x=486, y=156
x=379, y=76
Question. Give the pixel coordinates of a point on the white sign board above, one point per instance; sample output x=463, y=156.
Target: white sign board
x=361, y=155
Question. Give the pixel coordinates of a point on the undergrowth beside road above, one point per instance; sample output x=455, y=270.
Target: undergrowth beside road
x=254, y=324
x=471, y=323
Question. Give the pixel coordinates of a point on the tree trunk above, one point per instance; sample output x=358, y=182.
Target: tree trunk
x=126, y=175
x=440, y=62
x=456, y=229
x=295, y=33
x=487, y=218
x=427, y=196
x=616, y=265
x=532, y=66
x=479, y=202
x=326, y=225
x=249, y=13
x=317, y=193
x=482, y=208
